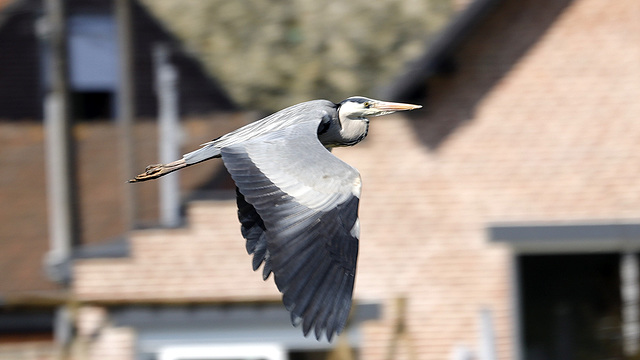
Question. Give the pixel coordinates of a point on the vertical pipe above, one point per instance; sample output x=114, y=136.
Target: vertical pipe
x=60, y=159
x=517, y=341
x=487, y=336
x=61, y=184
x=126, y=108
x=630, y=293
x=168, y=141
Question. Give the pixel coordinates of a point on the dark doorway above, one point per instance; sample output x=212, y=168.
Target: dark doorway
x=571, y=307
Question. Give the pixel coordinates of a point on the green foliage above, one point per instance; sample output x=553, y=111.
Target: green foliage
x=272, y=53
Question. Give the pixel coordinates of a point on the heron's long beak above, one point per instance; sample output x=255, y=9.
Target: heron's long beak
x=387, y=107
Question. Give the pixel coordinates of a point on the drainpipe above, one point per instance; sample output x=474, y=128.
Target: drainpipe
x=630, y=295
x=126, y=108
x=487, y=336
x=62, y=201
x=169, y=133
x=60, y=159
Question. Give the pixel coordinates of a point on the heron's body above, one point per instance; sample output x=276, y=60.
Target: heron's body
x=297, y=203
x=332, y=132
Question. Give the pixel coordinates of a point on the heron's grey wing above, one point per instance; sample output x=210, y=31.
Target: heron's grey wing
x=298, y=207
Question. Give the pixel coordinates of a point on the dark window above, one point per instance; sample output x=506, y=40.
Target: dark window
x=571, y=307
x=93, y=66
x=93, y=105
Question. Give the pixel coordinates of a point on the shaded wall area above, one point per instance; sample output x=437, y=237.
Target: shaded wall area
x=486, y=57
x=20, y=90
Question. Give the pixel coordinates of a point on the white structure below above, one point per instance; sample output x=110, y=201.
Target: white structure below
x=219, y=352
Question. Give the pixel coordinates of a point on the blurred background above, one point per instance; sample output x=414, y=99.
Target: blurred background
x=501, y=221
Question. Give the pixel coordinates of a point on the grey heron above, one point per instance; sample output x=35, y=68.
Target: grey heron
x=297, y=202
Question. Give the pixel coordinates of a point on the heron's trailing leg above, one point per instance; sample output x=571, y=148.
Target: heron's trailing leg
x=157, y=170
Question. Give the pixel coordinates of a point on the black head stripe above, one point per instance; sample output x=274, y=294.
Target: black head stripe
x=355, y=99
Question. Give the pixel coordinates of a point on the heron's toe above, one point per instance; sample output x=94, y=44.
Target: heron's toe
x=152, y=169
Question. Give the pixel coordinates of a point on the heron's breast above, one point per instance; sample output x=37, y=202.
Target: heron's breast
x=354, y=131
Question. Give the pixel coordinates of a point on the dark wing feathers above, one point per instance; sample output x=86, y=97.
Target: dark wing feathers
x=253, y=231
x=298, y=205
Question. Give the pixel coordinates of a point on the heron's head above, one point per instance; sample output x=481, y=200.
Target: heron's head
x=359, y=107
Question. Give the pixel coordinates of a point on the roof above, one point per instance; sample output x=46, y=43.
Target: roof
x=437, y=55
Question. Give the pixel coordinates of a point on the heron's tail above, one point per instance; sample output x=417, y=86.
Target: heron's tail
x=157, y=170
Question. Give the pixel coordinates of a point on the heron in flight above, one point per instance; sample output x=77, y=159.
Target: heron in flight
x=297, y=202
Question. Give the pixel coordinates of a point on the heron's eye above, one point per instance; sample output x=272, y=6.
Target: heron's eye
x=367, y=105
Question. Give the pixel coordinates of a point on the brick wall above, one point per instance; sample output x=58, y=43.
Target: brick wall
x=23, y=214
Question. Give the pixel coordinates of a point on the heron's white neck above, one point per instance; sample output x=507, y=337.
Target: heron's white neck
x=353, y=130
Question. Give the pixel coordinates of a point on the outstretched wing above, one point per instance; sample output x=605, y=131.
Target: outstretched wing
x=298, y=205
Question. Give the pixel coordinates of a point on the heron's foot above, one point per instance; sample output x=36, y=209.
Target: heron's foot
x=156, y=170
x=150, y=172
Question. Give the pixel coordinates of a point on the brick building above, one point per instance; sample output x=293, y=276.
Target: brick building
x=501, y=221
x=28, y=297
